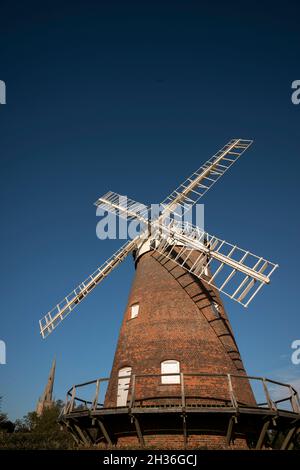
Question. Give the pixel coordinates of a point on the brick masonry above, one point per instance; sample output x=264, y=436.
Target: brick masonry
x=177, y=321
x=173, y=441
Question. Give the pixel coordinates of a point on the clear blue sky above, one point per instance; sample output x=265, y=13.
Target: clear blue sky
x=133, y=97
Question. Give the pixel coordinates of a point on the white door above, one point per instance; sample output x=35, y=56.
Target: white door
x=123, y=386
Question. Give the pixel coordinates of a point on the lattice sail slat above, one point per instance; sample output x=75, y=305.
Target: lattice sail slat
x=234, y=271
x=196, y=185
x=123, y=206
x=55, y=316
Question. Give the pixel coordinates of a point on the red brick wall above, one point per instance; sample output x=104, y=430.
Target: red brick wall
x=176, y=321
x=173, y=441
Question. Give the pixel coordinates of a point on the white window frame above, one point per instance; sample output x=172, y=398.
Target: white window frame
x=168, y=367
x=134, y=310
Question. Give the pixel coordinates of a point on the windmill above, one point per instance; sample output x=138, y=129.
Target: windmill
x=190, y=191
x=176, y=347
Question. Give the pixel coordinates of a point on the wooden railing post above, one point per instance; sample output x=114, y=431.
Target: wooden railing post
x=231, y=392
x=294, y=400
x=182, y=390
x=95, y=402
x=66, y=405
x=132, y=397
x=72, y=398
x=271, y=404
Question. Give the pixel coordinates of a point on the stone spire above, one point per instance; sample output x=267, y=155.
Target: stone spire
x=46, y=400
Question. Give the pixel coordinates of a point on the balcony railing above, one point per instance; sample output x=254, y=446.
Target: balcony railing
x=277, y=396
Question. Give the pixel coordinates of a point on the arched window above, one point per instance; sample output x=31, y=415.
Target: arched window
x=170, y=367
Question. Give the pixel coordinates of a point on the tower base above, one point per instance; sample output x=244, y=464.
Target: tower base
x=208, y=428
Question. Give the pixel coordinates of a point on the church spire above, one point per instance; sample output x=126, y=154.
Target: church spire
x=46, y=400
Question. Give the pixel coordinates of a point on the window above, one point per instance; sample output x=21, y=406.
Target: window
x=169, y=367
x=216, y=309
x=134, y=310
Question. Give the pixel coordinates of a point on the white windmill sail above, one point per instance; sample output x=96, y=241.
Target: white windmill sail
x=123, y=206
x=199, y=182
x=234, y=271
x=55, y=316
x=189, y=192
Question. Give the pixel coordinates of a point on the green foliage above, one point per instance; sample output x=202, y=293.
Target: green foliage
x=5, y=424
x=38, y=432
x=3, y=419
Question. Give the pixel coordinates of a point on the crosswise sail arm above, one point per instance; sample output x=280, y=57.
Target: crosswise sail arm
x=235, y=272
x=189, y=192
x=196, y=185
x=55, y=316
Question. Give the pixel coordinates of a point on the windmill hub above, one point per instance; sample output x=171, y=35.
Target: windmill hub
x=177, y=378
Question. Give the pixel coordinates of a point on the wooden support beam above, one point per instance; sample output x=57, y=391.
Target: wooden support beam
x=139, y=432
x=288, y=439
x=296, y=420
x=232, y=422
x=262, y=435
x=89, y=435
x=185, y=434
x=292, y=444
x=73, y=434
x=104, y=432
x=81, y=434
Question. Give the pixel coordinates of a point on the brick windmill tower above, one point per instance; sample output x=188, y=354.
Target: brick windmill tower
x=177, y=379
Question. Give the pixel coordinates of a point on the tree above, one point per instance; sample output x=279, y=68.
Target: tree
x=39, y=432
x=5, y=424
